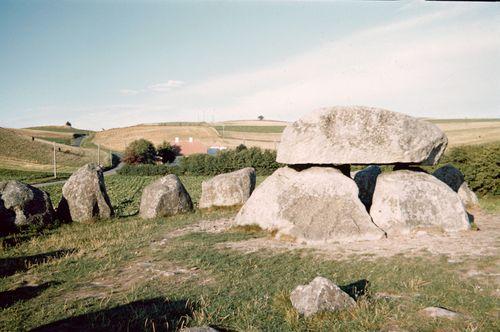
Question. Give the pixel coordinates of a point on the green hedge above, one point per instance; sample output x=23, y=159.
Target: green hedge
x=480, y=165
x=264, y=162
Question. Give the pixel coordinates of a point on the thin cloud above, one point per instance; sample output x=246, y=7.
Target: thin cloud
x=167, y=86
x=129, y=92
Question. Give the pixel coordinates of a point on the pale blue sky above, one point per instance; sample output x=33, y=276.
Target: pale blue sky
x=111, y=63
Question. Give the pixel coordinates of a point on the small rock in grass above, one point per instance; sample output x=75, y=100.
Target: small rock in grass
x=23, y=206
x=320, y=295
x=437, y=312
x=165, y=197
x=229, y=189
x=199, y=329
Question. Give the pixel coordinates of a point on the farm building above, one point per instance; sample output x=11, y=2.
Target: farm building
x=189, y=147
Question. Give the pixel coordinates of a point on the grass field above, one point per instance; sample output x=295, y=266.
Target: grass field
x=161, y=274
x=20, y=152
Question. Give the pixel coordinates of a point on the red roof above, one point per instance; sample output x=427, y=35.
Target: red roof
x=188, y=148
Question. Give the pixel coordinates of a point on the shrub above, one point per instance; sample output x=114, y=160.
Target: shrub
x=264, y=162
x=168, y=152
x=140, y=151
x=480, y=165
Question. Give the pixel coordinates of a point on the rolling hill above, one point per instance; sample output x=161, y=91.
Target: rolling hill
x=22, y=150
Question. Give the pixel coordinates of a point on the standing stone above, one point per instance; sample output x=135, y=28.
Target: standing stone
x=454, y=178
x=366, y=180
x=468, y=197
x=165, y=197
x=318, y=204
x=84, y=196
x=228, y=189
x=22, y=205
x=320, y=295
x=405, y=201
x=360, y=135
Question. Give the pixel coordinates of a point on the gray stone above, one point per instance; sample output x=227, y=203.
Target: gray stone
x=468, y=197
x=454, y=178
x=84, y=196
x=22, y=205
x=320, y=295
x=360, y=135
x=318, y=204
x=437, y=312
x=405, y=201
x=165, y=197
x=228, y=189
x=366, y=180
x=199, y=329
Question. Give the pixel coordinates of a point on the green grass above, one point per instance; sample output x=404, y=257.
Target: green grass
x=104, y=276
x=490, y=204
x=252, y=129
x=29, y=176
x=60, y=140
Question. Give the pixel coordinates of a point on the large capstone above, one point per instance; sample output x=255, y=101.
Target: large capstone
x=320, y=295
x=228, y=189
x=23, y=206
x=318, y=204
x=406, y=201
x=84, y=196
x=165, y=197
x=360, y=135
x=455, y=179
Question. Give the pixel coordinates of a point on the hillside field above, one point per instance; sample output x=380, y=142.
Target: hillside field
x=267, y=134
x=20, y=152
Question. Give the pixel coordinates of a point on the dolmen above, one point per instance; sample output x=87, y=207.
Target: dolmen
x=84, y=196
x=315, y=199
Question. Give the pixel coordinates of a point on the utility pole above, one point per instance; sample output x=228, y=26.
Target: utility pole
x=55, y=166
x=99, y=154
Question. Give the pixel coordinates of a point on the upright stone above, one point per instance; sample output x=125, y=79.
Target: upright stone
x=454, y=178
x=84, y=196
x=405, y=201
x=320, y=295
x=318, y=204
x=360, y=135
x=228, y=189
x=23, y=206
x=366, y=180
x=165, y=197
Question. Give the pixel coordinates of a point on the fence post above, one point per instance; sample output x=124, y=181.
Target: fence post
x=55, y=165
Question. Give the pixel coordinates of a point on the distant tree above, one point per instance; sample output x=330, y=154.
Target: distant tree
x=140, y=151
x=168, y=152
x=260, y=117
x=68, y=123
x=241, y=147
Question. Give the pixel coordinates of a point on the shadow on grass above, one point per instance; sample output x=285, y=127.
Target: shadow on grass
x=356, y=289
x=9, y=266
x=155, y=314
x=11, y=297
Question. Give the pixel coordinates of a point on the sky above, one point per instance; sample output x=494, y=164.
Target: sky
x=106, y=64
